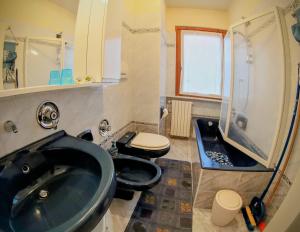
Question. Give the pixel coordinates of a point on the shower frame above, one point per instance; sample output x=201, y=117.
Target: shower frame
x=275, y=143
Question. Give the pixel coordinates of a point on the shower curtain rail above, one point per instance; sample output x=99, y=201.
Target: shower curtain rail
x=249, y=19
x=262, y=27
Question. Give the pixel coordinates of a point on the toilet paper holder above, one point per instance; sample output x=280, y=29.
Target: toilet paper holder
x=163, y=112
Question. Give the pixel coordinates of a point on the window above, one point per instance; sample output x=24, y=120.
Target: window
x=199, y=55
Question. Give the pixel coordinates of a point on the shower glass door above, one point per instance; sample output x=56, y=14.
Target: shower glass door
x=253, y=101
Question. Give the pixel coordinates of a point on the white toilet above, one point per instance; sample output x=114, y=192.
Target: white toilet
x=226, y=206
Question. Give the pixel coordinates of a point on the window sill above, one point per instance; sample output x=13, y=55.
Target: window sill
x=204, y=99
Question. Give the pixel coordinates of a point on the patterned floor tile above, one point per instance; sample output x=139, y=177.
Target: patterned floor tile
x=168, y=206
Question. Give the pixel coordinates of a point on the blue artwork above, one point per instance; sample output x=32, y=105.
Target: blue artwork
x=9, y=61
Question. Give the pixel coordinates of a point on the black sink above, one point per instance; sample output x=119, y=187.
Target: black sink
x=60, y=183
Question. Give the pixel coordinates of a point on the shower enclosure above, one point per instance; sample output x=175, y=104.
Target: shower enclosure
x=254, y=85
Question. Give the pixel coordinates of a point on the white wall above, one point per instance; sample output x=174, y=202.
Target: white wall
x=239, y=9
x=37, y=17
x=118, y=98
x=196, y=17
x=117, y=104
x=287, y=218
x=146, y=75
x=78, y=111
x=144, y=21
x=163, y=51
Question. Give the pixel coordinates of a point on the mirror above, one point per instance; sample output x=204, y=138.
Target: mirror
x=37, y=42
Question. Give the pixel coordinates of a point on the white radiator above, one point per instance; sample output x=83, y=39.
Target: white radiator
x=181, y=118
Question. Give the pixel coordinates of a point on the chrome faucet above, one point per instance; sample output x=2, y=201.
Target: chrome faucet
x=10, y=126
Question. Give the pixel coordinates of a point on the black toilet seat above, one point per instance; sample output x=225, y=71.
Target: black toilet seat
x=134, y=173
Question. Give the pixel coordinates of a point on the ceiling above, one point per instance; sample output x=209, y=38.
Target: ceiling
x=207, y=4
x=71, y=5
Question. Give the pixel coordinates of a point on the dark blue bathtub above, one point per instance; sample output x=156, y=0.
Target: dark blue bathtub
x=215, y=153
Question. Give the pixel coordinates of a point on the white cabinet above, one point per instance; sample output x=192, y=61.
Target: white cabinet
x=95, y=39
x=81, y=38
x=98, y=28
x=112, y=41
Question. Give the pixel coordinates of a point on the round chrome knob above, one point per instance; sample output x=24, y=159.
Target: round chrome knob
x=104, y=127
x=48, y=115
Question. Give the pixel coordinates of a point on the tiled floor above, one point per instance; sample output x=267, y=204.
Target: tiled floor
x=120, y=212
x=181, y=149
x=168, y=205
x=202, y=223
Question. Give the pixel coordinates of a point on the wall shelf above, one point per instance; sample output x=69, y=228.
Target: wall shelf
x=37, y=89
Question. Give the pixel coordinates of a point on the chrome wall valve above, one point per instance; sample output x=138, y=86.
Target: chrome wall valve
x=48, y=115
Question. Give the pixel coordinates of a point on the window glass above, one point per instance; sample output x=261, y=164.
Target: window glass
x=201, y=63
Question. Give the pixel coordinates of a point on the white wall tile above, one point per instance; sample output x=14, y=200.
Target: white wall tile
x=78, y=111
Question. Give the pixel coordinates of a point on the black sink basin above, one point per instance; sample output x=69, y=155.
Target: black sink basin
x=60, y=183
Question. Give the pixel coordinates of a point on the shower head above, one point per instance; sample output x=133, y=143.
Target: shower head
x=249, y=58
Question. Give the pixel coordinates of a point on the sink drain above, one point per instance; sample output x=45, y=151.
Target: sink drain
x=43, y=194
x=26, y=169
